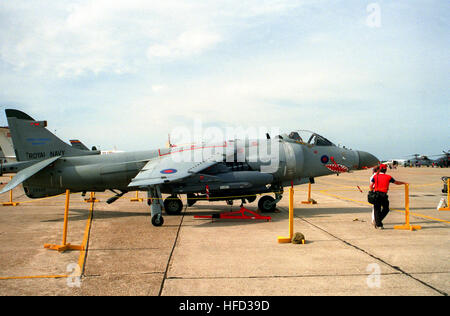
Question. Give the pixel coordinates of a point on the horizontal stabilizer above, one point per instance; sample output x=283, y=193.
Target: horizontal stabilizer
x=26, y=173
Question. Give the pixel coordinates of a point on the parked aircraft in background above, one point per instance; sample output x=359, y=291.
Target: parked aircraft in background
x=6, y=145
x=394, y=163
x=419, y=160
x=425, y=160
x=444, y=159
x=10, y=165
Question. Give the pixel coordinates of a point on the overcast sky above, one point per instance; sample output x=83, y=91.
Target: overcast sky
x=369, y=75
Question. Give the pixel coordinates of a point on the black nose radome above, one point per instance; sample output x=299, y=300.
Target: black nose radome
x=367, y=160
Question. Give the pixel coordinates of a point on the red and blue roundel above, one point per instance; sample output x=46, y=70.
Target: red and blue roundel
x=324, y=159
x=168, y=171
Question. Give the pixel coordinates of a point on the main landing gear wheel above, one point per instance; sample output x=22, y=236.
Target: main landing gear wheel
x=157, y=220
x=266, y=204
x=173, y=205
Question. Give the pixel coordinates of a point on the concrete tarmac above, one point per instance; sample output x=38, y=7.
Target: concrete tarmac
x=126, y=255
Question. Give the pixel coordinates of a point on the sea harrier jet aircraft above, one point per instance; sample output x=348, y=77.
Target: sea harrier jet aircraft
x=226, y=171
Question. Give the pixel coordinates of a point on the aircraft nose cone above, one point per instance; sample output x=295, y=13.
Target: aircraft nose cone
x=367, y=160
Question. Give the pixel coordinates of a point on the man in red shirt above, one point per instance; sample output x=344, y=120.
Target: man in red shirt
x=380, y=184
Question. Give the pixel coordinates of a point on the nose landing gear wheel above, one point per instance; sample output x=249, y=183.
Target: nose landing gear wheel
x=157, y=220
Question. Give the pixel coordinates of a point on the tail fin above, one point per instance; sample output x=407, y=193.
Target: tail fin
x=33, y=141
x=78, y=144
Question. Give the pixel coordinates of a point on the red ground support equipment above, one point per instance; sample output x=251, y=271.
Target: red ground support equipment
x=241, y=214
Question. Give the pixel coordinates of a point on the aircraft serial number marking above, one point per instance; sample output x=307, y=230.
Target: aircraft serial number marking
x=35, y=155
x=41, y=155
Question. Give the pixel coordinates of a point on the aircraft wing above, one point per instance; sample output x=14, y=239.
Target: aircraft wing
x=26, y=173
x=169, y=168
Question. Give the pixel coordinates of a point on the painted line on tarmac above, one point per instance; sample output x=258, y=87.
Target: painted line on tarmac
x=35, y=200
x=171, y=254
x=324, y=192
x=354, y=186
x=34, y=277
x=85, y=243
x=81, y=259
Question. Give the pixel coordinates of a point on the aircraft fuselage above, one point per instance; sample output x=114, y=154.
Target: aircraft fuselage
x=291, y=162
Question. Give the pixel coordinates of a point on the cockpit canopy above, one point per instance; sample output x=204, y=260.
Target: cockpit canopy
x=306, y=137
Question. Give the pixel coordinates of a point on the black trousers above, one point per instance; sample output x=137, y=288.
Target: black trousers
x=381, y=208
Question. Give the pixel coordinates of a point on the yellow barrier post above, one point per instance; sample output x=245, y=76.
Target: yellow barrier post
x=309, y=201
x=137, y=198
x=65, y=246
x=10, y=203
x=407, y=225
x=448, y=197
x=291, y=219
